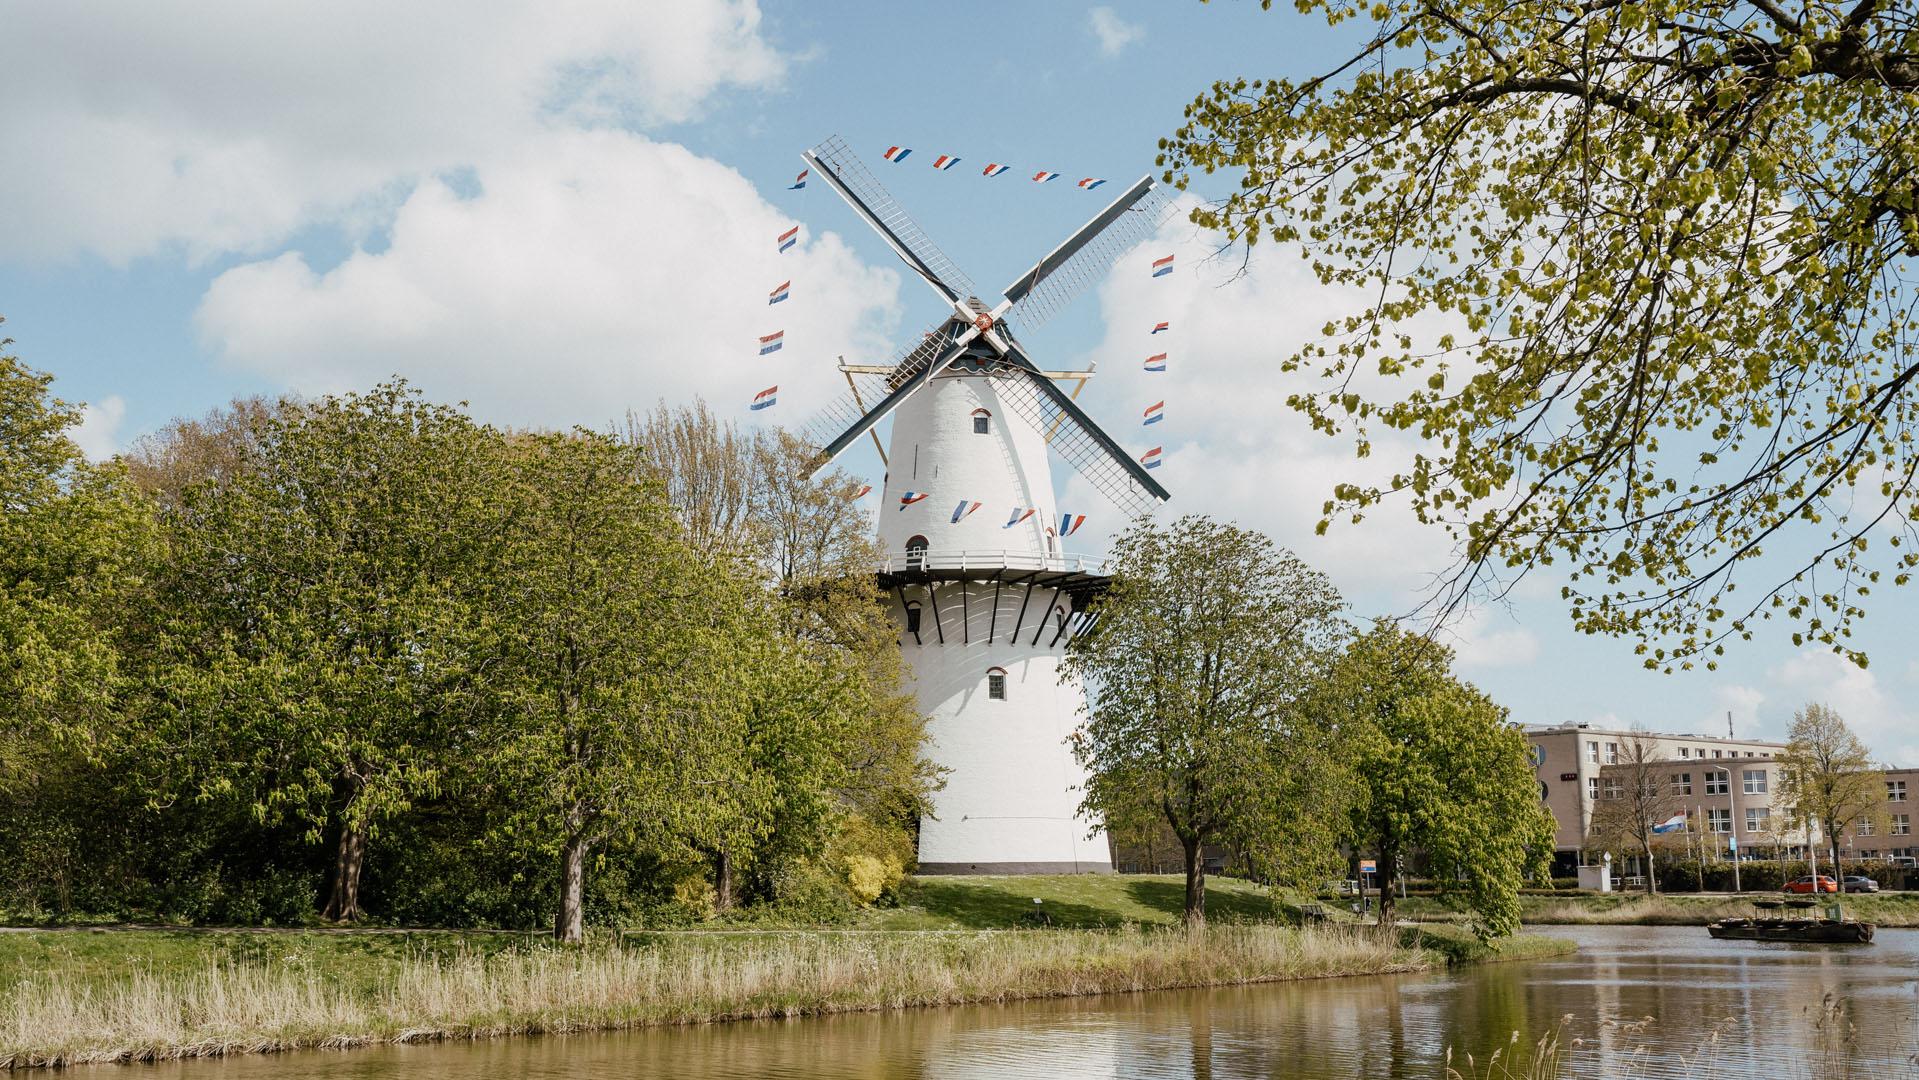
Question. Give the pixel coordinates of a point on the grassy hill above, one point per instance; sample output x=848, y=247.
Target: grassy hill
x=1072, y=900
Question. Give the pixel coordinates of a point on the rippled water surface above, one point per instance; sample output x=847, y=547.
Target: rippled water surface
x=1718, y=1009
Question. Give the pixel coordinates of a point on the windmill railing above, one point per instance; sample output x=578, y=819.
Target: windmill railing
x=994, y=561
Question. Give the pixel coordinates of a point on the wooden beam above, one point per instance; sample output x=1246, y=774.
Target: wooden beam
x=861, y=405
x=1061, y=418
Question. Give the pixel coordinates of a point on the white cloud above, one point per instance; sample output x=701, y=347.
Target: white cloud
x=1475, y=646
x=1743, y=703
x=1113, y=32
x=225, y=126
x=1887, y=727
x=98, y=433
x=594, y=270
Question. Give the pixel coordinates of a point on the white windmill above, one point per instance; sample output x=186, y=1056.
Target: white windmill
x=987, y=595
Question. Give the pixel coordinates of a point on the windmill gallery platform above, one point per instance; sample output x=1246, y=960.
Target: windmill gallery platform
x=985, y=595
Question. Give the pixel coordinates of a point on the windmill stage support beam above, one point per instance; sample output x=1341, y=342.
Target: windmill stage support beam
x=934, y=596
x=901, y=590
x=992, y=619
x=1021, y=617
x=966, y=619
x=1039, y=627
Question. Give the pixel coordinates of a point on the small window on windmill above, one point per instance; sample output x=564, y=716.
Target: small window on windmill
x=996, y=683
x=916, y=553
x=982, y=422
x=912, y=617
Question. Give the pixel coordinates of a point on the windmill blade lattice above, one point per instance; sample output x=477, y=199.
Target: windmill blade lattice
x=866, y=188
x=869, y=388
x=1089, y=264
x=1078, y=446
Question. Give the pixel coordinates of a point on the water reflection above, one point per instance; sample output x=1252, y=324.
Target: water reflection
x=1719, y=1009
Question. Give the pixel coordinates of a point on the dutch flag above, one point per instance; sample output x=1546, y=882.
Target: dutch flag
x=1161, y=328
x=765, y=398
x=1162, y=267
x=1150, y=458
x=896, y=153
x=779, y=294
x=1089, y=183
x=1070, y=523
x=945, y=162
x=909, y=498
x=1671, y=824
x=798, y=181
x=964, y=509
x=789, y=238
x=1156, y=362
x=1154, y=413
x=861, y=493
x=994, y=169
x=771, y=343
x=1042, y=177
x=1020, y=513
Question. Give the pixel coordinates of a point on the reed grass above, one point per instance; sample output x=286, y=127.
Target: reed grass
x=246, y=1006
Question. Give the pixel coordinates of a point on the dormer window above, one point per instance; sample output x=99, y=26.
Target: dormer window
x=982, y=422
x=916, y=553
x=996, y=683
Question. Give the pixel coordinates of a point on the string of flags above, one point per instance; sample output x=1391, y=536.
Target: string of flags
x=765, y=399
x=1156, y=364
x=1068, y=523
x=945, y=163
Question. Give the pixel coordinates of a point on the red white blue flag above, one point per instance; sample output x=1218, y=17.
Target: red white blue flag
x=1156, y=362
x=1043, y=176
x=765, y=398
x=861, y=493
x=779, y=294
x=1089, y=183
x=771, y=343
x=896, y=153
x=945, y=162
x=1160, y=328
x=1020, y=513
x=1070, y=523
x=789, y=238
x=994, y=169
x=798, y=181
x=1154, y=413
x=909, y=498
x=1150, y=458
x=964, y=509
x=1162, y=267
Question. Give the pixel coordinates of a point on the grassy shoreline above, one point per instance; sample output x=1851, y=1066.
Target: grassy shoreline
x=311, y=990
x=1893, y=910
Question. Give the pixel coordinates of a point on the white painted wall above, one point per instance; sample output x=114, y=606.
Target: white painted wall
x=1013, y=787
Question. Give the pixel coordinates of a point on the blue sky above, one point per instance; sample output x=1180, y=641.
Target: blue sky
x=558, y=220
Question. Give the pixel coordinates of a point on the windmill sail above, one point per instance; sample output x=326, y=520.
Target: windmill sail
x=849, y=176
x=1088, y=254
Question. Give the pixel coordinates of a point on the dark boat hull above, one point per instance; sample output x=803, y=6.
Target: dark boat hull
x=1822, y=932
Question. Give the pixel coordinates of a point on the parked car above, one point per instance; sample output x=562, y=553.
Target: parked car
x=1860, y=883
x=1809, y=885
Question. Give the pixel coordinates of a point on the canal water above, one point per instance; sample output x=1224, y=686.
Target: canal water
x=1635, y=1002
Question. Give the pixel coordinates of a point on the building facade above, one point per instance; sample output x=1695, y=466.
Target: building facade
x=1727, y=789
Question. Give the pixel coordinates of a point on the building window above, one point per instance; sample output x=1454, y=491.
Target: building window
x=1682, y=783
x=1592, y=752
x=1865, y=827
x=1684, y=753
x=1895, y=791
x=1613, y=789
x=1592, y=788
x=912, y=618
x=1758, y=818
x=982, y=422
x=1901, y=825
x=996, y=684
x=1750, y=754
x=1718, y=753
x=1754, y=781
x=1719, y=819
x=1612, y=753
x=1719, y=782
x=916, y=553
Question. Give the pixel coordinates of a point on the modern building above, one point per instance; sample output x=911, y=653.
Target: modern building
x=1726, y=788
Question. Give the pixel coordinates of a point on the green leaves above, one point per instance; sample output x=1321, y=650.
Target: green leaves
x=1666, y=229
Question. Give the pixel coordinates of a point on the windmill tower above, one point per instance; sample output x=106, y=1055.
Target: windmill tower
x=978, y=551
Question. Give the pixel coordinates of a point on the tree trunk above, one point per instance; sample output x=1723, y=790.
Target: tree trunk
x=570, y=924
x=1195, y=881
x=349, y=855
x=1388, y=903
x=723, y=880
x=1652, y=869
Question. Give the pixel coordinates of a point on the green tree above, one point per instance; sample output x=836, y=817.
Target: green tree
x=1207, y=641
x=324, y=643
x=1827, y=776
x=1669, y=242
x=1442, y=772
x=1639, y=796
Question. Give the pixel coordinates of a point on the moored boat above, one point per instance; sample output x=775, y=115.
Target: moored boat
x=1771, y=923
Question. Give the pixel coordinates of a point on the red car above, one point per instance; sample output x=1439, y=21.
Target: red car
x=1807, y=885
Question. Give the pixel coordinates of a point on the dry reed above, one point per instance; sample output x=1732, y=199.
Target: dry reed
x=255, y=1007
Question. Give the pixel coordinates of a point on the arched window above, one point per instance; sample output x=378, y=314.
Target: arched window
x=913, y=617
x=982, y=422
x=916, y=553
x=996, y=683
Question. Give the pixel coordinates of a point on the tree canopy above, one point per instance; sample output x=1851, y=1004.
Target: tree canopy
x=1663, y=250
x=1827, y=776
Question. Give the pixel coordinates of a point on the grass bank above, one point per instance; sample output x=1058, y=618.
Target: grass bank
x=1682, y=909
x=318, y=990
